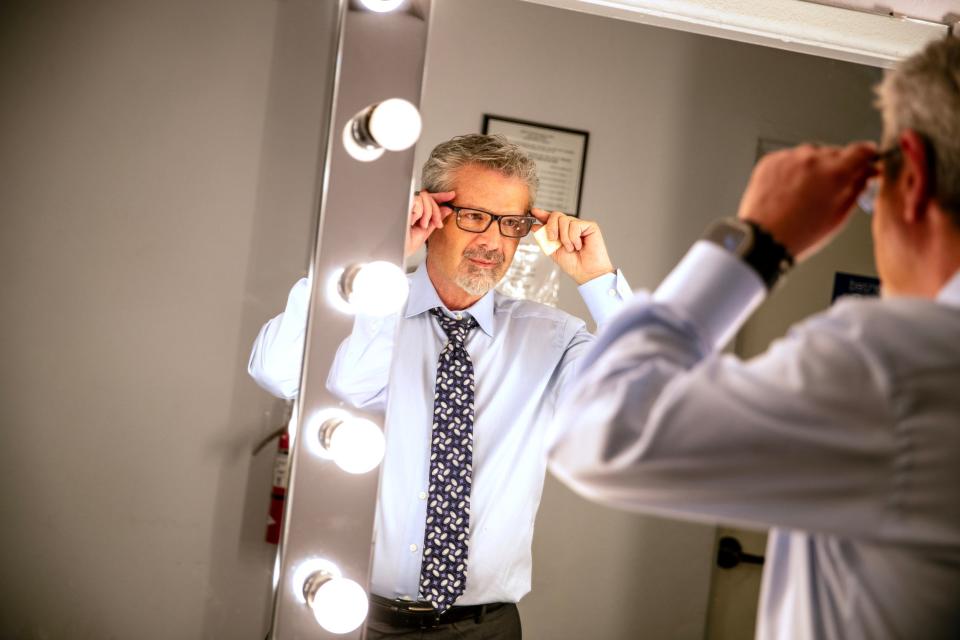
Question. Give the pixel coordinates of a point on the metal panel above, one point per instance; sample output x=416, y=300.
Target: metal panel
x=363, y=214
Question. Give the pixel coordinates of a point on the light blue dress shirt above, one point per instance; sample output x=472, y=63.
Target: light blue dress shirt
x=844, y=437
x=523, y=355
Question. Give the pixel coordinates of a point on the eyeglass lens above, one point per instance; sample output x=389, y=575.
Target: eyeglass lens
x=479, y=221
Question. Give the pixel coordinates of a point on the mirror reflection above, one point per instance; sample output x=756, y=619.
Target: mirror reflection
x=476, y=376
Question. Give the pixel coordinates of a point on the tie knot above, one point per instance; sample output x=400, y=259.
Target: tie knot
x=457, y=330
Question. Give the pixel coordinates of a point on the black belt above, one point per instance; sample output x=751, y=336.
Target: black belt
x=422, y=615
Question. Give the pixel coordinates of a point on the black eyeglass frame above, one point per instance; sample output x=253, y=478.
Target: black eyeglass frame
x=493, y=216
x=887, y=154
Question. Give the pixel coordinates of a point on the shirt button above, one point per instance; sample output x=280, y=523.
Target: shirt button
x=413, y=548
x=458, y=317
x=423, y=495
x=612, y=292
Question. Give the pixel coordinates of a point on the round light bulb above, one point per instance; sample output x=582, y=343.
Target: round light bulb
x=356, y=445
x=358, y=151
x=395, y=124
x=340, y=605
x=381, y=6
x=377, y=288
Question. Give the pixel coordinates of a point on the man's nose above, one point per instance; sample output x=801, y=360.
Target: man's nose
x=491, y=238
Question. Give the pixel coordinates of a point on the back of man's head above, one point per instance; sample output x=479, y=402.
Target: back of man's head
x=490, y=151
x=923, y=94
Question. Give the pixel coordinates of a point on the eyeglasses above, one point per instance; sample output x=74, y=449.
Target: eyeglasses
x=478, y=221
x=868, y=196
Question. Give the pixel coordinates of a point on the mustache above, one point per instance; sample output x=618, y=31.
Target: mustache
x=487, y=255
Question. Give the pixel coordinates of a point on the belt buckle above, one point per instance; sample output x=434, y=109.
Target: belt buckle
x=425, y=614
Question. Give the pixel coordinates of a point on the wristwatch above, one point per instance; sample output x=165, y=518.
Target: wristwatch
x=754, y=245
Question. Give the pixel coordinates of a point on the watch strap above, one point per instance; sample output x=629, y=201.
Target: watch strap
x=769, y=258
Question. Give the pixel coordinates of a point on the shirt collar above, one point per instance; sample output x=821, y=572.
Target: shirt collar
x=950, y=293
x=423, y=297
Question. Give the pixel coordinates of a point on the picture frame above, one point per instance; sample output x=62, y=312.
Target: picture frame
x=560, y=154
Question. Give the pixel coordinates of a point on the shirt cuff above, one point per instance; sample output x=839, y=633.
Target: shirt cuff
x=605, y=295
x=714, y=290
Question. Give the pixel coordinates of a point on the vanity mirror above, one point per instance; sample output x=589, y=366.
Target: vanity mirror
x=171, y=169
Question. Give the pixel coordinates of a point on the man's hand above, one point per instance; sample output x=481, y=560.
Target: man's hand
x=583, y=255
x=802, y=196
x=426, y=215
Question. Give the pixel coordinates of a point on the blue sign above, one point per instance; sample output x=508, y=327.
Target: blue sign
x=849, y=284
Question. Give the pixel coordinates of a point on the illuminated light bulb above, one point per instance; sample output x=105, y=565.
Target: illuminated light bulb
x=339, y=604
x=376, y=288
x=381, y=6
x=355, y=444
x=393, y=125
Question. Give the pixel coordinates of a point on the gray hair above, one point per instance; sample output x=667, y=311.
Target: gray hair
x=923, y=94
x=490, y=151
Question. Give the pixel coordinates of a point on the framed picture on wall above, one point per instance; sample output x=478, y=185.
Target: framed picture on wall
x=560, y=154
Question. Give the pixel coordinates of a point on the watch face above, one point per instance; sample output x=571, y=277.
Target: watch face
x=732, y=235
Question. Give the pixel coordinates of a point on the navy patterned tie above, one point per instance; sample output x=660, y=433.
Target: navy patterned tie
x=447, y=534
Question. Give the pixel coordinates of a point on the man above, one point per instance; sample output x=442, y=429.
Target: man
x=476, y=377
x=844, y=437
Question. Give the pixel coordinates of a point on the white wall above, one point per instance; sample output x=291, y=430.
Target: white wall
x=674, y=121
x=157, y=196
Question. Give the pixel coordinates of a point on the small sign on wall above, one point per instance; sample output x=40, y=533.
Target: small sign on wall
x=559, y=153
x=849, y=284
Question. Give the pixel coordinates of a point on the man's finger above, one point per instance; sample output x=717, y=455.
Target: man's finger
x=553, y=226
x=856, y=156
x=417, y=210
x=428, y=205
x=540, y=214
x=443, y=196
x=563, y=225
x=577, y=229
x=436, y=218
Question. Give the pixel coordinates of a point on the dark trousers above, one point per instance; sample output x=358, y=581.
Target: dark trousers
x=502, y=624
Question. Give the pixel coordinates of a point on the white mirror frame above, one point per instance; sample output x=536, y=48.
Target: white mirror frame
x=874, y=39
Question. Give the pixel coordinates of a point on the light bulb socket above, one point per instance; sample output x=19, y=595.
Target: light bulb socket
x=360, y=129
x=326, y=432
x=345, y=284
x=313, y=583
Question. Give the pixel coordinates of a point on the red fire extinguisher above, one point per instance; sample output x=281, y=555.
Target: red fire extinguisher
x=278, y=493
x=281, y=471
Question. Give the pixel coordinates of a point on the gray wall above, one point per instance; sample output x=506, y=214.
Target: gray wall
x=157, y=182
x=674, y=121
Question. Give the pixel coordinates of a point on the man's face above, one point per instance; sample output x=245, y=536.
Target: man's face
x=476, y=262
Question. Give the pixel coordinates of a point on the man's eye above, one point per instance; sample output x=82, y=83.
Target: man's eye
x=475, y=216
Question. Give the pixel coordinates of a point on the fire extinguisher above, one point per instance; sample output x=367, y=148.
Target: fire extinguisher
x=281, y=472
x=278, y=493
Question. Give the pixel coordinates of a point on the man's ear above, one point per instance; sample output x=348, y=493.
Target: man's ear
x=916, y=175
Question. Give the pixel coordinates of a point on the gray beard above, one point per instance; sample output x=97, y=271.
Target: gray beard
x=476, y=281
